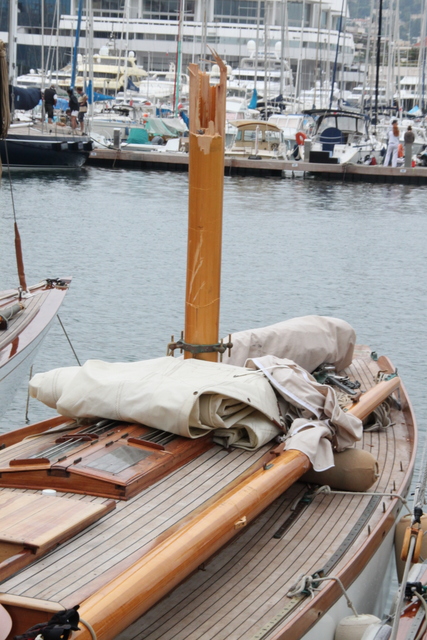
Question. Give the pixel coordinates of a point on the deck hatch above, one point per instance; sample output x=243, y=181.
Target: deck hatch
x=155, y=438
x=118, y=460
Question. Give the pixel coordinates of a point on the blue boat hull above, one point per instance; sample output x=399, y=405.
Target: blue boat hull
x=44, y=152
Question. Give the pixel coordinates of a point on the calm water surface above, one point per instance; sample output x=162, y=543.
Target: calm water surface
x=290, y=248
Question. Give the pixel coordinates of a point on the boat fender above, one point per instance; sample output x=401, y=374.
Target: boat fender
x=354, y=627
x=378, y=631
x=418, y=533
x=300, y=137
x=402, y=538
x=354, y=470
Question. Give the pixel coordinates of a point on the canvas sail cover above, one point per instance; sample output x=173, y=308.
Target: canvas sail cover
x=186, y=397
x=241, y=404
x=309, y=341
x=317, y=424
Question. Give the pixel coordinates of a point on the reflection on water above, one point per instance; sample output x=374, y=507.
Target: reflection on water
x=290, y=248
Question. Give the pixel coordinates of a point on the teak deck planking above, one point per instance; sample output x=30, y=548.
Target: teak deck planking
x=243, y=586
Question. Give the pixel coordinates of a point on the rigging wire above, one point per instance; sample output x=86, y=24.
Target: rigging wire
x=4, y=124
x=69, y=341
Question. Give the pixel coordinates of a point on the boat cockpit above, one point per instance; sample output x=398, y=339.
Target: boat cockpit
x=337, y=127
x=256, y=137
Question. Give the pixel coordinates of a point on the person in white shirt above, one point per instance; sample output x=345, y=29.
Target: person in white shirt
x=393, y=144
x=82, y=98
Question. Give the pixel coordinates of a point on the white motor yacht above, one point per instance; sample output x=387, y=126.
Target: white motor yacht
x=162, y=84
x=263, y=74
x=339, y=137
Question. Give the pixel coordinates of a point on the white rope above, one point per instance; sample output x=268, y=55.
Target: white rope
x=327, y=490
x=307, y=583
x=89, y=628
x=382, y=418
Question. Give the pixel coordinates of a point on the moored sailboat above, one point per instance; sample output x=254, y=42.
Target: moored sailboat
x=181, y=498
x=26, y=313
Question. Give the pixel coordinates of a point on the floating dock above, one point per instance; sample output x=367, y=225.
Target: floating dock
x=176, y=161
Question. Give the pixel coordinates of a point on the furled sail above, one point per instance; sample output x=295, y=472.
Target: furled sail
x=246, y=406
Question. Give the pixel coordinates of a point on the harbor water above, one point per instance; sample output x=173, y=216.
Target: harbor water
x=290, y=248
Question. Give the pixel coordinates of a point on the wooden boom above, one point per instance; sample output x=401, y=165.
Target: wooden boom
x=122, y=601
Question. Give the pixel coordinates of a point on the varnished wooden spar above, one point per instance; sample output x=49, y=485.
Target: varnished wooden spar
x=369, y=401
x=206, y=177
x=131, y=594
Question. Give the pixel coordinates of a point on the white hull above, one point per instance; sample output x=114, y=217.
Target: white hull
x=368, y=593
x=14, y=371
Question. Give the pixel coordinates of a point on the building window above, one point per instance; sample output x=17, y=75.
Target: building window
x=29, y=13
x=324, y=20
x=108, y=8
x=167, y=9
x=295, y=14
x=240, y=11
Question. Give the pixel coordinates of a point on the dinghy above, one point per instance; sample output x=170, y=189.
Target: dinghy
x=248, y=489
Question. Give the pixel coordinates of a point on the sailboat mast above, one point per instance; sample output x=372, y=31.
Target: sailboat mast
x=13, y=28
x=258, y=20
x=282, y=45
x=422, y=60
x=57, y=7
x=206, y=178
x=89, y=53
x=377, y=76
x=12, y=46
x=76, y=46
x=334, y=72
x=126, y=55
x=266, y=61
x=178, y=62
x=319, y=17
x=43, y=63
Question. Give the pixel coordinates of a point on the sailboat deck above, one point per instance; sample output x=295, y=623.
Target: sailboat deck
x=106, y=549
x=18, y=322
x=241, y=591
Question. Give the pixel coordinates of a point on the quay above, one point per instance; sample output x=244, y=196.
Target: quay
x=173, y=161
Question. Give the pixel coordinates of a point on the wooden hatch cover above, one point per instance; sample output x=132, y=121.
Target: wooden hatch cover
x=105, y=458
x=32, y=524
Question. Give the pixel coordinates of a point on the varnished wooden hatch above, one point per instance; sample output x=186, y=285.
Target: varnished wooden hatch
x=106, y=458
x=33, y=524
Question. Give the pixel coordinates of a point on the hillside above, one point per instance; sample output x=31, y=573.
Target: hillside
x=409, y=9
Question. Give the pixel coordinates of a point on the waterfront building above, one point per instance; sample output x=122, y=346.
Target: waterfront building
x=310, y=32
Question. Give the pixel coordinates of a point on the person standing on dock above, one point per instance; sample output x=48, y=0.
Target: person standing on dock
x=393, y=144
x=49, y=102
x=409, y=136
x=409, y=139
x=82, y=98
x=73, y=105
